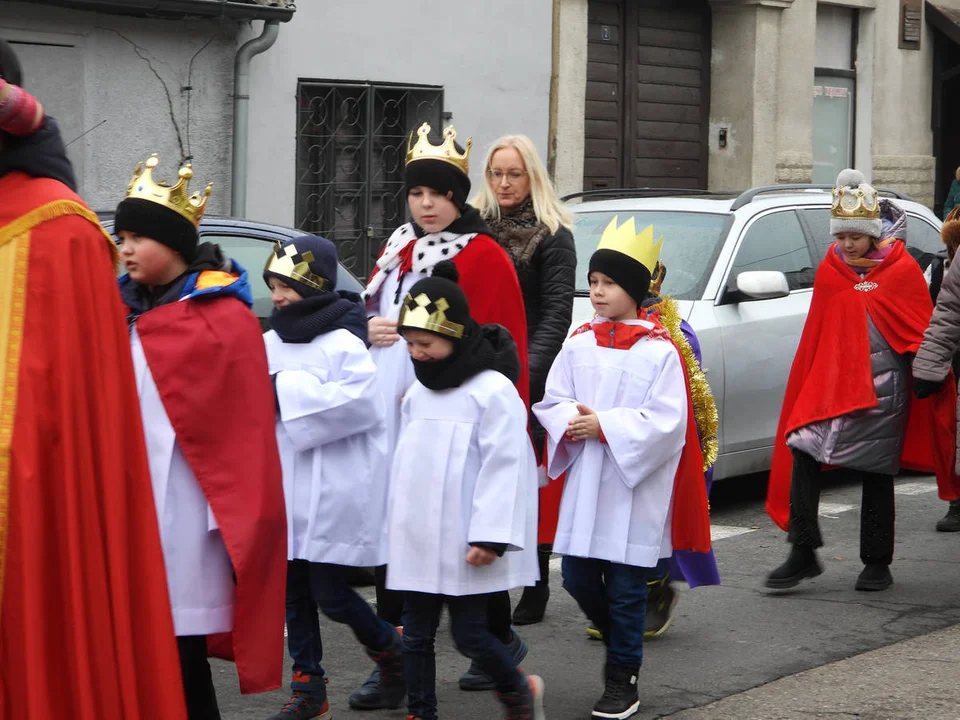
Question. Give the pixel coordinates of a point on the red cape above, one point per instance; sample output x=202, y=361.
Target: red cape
x=85, y=624
x=831, y=373
x=209, y=363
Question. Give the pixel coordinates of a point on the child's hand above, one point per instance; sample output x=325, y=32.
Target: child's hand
x=584, y=426
x=382, y=332
x=479, y=557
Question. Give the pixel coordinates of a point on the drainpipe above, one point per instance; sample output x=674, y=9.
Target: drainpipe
x=241, y=110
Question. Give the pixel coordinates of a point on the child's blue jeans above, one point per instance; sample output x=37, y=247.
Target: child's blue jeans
x=614, y=597
x=311, y=585
x=468, y=624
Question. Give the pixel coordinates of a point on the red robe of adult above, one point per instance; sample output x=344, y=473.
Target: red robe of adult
x=207, y=358
x=85, y=625
x=831, y=373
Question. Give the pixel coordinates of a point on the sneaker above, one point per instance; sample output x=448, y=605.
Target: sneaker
x=594, y=633
x=306, y=703
x=661, y=601
x=526, y=704
x=874, y=577
x=801, y=563
x=476, y=679
x=620, y=699
x=951, y=521
x=386, y=687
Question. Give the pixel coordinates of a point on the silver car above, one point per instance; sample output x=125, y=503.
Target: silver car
x=742, y=270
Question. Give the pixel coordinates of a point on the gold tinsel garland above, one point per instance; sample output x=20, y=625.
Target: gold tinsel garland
x=704, y=406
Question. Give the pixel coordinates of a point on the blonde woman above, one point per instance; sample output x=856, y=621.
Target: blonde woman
x=521, y=207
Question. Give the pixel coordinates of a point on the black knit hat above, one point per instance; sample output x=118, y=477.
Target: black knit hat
x=308, y=264
x=10, y=69
x=442, y=176
x=160, y=223
x=436, y=304
x=626, y=272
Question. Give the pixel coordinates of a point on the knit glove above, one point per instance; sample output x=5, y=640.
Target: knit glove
x=20, y=113
x=925, y=388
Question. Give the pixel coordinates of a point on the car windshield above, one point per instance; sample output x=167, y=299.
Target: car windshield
x=690, y=245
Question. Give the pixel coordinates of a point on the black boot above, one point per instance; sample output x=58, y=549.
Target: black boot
x=533, y=602
x=951, y=521
x=385, y=688
x=874, y=577
x=620, y=699
x=802, y=563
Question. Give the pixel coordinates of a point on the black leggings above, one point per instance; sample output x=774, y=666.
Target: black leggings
x=390, y=607
x=877, y=511
x=198, y=686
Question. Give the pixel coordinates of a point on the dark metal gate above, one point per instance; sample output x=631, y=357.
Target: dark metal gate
x=351, y=147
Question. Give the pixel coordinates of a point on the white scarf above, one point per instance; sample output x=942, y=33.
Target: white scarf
x=428, y=251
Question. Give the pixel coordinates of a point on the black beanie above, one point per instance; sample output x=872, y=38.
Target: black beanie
x=286, y=264
x=626, y=272
x=160, y=223
x=440, y=175
x=444, y=311
x=10, y=69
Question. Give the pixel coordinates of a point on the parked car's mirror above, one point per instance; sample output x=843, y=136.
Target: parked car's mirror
x=763, y=284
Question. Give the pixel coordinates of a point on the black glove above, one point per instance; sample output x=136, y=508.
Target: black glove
x=925, y=388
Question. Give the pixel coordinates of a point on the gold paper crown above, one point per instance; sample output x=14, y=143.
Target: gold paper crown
x=859, y=203
x=287, y=261
x=422, y=313
x=144, y=187
x=446, y=152
x=624, y=239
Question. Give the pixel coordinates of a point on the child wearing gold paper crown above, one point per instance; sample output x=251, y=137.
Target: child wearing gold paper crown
x=208, y=416
x=847, y=403
x=463, y=495
x=619, y=423
x=333, y=446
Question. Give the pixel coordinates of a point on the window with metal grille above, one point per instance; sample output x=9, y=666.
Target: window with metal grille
x=351, y=147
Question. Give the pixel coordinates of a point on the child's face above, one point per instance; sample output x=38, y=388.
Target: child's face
x=282, y=294
x=431, y=210
x=609, y=299
x=426, y=346
x=149, y=262
x=854, y=245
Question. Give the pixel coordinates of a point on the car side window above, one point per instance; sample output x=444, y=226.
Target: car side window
x=923, y=240
x=775, y=242
x=251, y=254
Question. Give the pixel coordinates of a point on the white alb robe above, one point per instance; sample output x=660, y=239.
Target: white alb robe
x=617, y=499
x=199, y=572
x=463, y=471
x=333, y=449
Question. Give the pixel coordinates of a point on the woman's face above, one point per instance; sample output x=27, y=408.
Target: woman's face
x=854, y=245
x=508, y=178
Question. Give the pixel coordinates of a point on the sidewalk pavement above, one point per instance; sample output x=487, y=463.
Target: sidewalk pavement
x=915, y=678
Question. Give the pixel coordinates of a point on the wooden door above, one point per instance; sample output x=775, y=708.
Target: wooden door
x=648, y=94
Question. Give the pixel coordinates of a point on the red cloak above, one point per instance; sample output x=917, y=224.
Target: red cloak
x=831, y=373
x=85, y=623
x=209, y=363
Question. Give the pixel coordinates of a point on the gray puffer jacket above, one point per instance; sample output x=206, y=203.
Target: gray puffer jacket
x=870, y=440
x=942, y=338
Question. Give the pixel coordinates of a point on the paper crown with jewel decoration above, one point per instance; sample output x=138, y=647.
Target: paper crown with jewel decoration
x=446, y=152
x=289, y=262
x=176, y=197
x=422, y=313
x=624, y=239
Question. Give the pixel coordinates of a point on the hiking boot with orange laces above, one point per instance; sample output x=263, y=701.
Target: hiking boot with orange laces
x=306, y=704
x=525, y=704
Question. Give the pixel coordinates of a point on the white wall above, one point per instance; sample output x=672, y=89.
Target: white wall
x=492, y=58
x=85, y=69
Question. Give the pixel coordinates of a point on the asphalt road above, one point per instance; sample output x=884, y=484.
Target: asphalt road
x=725, y=639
